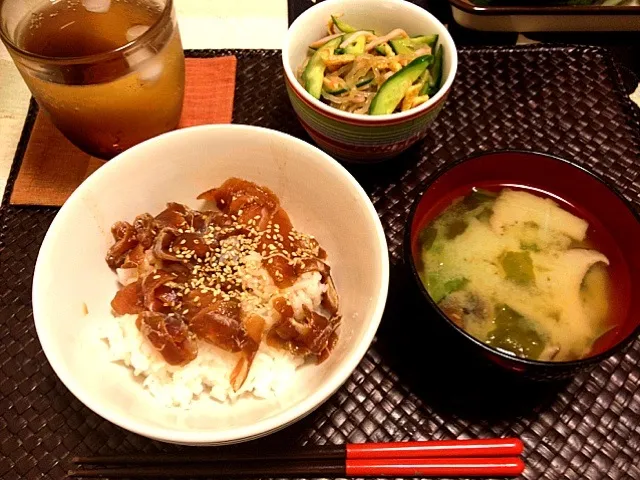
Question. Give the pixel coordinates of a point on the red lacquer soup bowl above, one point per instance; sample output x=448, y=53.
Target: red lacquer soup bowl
x=614, y=228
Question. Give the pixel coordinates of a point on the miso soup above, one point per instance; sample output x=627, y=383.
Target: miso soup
x=519, y=272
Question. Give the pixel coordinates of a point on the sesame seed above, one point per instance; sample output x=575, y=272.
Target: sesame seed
x=156, y=277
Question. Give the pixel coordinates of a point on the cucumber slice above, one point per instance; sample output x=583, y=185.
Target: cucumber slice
x=401, y=46
x=342, y=26
x=409, y=45
x=395, y=88
x=384, y=49
x=336, y=87
x=435, y=75
x=314, y=71
x=356, y=48
x=365, y=80
x=341, y=89
x=429, y=40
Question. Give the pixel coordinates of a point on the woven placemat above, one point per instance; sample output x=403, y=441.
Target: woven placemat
x=568, y=101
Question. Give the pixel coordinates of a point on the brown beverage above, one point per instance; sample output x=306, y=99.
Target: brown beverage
x=114, y=101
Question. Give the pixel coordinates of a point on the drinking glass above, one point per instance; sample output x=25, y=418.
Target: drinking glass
x=109, y=73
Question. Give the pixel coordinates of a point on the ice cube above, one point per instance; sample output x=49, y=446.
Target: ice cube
x=97, y=6
x=136, y=31
x=147, y=64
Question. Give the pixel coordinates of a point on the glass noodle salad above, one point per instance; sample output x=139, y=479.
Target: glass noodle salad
x=361, y=72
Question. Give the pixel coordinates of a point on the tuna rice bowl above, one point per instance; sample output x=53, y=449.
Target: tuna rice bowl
x=221, y=303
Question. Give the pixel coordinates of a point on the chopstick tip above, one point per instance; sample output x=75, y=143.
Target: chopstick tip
x=518, y=446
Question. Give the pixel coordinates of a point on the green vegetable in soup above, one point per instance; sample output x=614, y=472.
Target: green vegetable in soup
x=478, y=197
x=455, y=228
x=455, y=285
x=439, y=288
x=485, y=215
x=515, y=334
x=426, y=237
x=518, y=267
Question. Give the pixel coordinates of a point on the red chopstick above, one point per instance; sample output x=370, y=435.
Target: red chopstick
x=501, y=447
x=436, y=467
x=435, y=458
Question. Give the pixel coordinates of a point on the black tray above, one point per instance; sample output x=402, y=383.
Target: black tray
x=567, y=101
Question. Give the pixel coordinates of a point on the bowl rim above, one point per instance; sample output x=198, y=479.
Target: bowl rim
x=362, y=118
x=263, y=426
x=408, y=259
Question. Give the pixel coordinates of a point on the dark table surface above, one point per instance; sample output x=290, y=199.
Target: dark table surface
x=586, y=429
x=625, y=46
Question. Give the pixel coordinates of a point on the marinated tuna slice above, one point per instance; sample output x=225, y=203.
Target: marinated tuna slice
x=125, y=239
x=170, y=336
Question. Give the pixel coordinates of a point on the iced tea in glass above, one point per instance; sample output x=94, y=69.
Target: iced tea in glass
x=110, y=73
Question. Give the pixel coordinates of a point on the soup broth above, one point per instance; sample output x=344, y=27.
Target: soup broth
x=519, y=272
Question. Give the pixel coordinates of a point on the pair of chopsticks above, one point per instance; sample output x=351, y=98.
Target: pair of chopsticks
x=434, y=458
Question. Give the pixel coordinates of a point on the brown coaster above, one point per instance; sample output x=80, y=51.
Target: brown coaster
x=52, y=167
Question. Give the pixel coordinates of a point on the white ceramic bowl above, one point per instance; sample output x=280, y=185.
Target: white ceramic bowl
x=355, y=137
x=322, y=199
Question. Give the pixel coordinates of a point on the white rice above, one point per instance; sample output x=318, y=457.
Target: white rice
x=207, y=377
